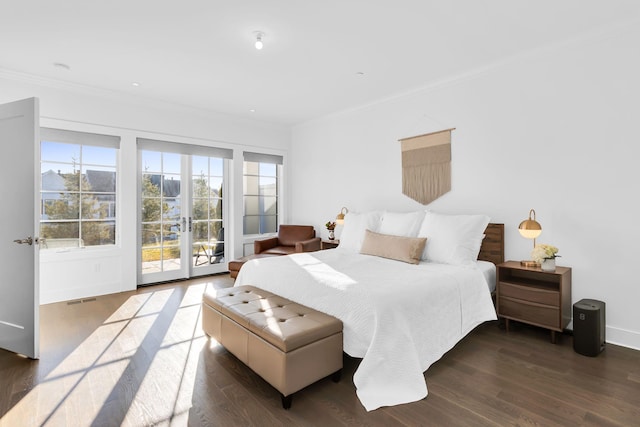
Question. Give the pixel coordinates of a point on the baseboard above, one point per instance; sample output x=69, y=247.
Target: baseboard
x=623, y=337
x=617, y=336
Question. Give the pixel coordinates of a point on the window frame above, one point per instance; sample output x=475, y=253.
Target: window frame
x=259, y=160
x=80, y=166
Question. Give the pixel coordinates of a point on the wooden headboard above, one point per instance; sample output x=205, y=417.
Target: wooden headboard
x=492, y=248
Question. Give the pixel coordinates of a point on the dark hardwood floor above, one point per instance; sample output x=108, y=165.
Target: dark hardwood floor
x=140, y=358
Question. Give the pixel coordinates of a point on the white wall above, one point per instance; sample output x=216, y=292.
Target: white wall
x=554, y=130
x=96, y=271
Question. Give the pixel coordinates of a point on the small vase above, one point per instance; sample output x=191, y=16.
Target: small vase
x=548, y=264
x=331, y=235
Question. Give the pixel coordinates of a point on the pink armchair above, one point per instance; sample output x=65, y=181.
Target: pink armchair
x=290, y=239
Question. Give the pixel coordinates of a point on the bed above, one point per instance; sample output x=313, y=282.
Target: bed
x=398, y=317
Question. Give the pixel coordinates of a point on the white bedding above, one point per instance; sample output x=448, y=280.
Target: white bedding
x=489, y=272
x=399, y=318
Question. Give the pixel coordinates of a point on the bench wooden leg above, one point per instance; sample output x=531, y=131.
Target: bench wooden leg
x=335, y=377
x=286, y=400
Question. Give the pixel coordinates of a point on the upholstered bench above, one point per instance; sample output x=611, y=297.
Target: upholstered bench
x=236, y=264
x=289, y=345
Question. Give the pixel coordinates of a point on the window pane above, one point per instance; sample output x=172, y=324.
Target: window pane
x=215, y=183
x=268, y=187
x=217, y=232
x=151, y=162
x=61, y=206
x=200, y=209
x=96, y=233
x=251, y=225
x=171, y=185
x=150, y=234
x=251, y=168
x=170, y=258
x=171, y=209
x=98, y=155
x=252, y=205
x=268, y=205
x=59, y=230
x=58, y=176
x=150, y=185
x=200, y=165
x=99, y=179
x=59, y=152
x=215, y=211
x=201, y=231
x=267, y=169
x=151, y=209
x=171, y=163
x=98, y=206
x=268, y=224
x=251, y=185
x=200, y=186
x=171, y=233
x=216, y=167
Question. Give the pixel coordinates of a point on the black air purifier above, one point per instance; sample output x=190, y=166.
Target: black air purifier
x=588, y=327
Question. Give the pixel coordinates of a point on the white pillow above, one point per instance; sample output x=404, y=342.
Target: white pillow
x=401, y=224
x=355, y=226
x=452, y=239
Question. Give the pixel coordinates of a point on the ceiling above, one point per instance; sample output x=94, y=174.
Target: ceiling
x=318, y=58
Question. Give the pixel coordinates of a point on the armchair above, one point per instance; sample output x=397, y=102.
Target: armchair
x=290, y=239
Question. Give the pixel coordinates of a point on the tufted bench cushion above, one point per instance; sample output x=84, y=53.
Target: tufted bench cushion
x=288, y=344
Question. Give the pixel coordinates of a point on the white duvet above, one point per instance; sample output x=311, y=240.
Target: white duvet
x=399, y=318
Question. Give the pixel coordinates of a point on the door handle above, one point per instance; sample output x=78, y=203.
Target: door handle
x=27, y=241
x=184, y=224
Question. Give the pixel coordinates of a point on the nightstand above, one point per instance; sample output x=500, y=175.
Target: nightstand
x=530, y=295
x=329, y=244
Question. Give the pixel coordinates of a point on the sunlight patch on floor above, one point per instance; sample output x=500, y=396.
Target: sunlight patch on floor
x=148, y=349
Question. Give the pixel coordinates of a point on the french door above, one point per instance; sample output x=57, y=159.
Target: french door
x=181, y=213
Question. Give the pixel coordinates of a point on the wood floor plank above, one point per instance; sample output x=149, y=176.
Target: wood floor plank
x=140, y=358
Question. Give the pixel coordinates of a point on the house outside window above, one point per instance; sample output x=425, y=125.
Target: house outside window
x=261, y=181
x=78, y=191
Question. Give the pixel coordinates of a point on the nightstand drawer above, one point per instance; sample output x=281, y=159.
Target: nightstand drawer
x=530, y=313
x=528, y=293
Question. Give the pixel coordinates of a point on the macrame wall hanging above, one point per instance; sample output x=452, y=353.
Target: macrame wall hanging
x=426, y=166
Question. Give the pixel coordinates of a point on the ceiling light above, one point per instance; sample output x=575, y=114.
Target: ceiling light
x=259, y=36
x=253, y=110
x=136, y=84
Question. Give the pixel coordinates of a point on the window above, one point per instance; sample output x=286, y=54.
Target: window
x=78, y=189
x=261, y=180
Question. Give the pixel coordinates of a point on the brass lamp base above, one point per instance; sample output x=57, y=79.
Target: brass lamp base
x=529, y=264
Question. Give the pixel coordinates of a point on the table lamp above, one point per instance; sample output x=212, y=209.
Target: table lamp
x=530, y=229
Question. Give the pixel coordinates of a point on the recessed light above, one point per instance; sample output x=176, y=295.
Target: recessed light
x=253, y=110
x=61, y=65
x=360, y=74
x=135, y=84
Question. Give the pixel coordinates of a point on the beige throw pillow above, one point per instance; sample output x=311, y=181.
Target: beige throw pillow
x=406, y=249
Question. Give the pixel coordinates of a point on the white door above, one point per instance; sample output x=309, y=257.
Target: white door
x=19, y=286
x=181, y=227
x=163, y=217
